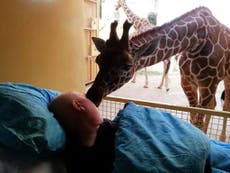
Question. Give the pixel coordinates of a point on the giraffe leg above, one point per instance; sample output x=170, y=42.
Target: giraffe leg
x=190, y=91
x=134, y=78
x=167, y=82
x=167, y=64
x=208, y=100
x=211, y=105
x=146, y=78
x=162, y=81
x=163, y=75
x=226, y=107
x=206, y=123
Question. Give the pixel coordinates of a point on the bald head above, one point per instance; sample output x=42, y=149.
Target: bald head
x=77, y=114
x=62, y=104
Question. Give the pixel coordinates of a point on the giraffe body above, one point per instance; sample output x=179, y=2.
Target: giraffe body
x=141, y=25
x=203, y=43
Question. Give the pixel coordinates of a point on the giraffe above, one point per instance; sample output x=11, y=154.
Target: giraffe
x=204, y=47
x=140, y=25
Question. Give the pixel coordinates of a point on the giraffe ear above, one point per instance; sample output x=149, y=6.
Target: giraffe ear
x=99, y=43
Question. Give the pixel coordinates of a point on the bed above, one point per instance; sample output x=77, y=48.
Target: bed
x=35, y=148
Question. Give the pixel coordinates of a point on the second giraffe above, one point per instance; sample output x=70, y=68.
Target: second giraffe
x=140, y=25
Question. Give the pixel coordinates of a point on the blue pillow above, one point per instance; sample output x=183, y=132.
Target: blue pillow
x=26, y=124
x=150, y=140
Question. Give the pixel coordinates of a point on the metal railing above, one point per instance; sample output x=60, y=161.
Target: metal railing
x=111, y=105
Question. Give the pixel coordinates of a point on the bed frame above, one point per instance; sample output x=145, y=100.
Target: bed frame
x=111, y=105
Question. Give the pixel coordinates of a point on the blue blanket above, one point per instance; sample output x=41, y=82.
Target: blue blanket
x=150, y=140
x=219, y=156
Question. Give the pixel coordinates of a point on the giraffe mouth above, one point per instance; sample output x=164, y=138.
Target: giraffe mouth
x=95, y=95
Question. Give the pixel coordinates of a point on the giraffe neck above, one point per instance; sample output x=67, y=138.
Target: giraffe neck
x=186, y=33
x=133, y=18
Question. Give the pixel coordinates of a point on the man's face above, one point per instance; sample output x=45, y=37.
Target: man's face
x=84, y=118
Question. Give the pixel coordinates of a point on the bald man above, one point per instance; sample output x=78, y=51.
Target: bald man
x=90, y=138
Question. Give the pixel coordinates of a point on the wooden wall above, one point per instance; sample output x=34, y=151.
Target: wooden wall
x=42, y=43
x=91, y=19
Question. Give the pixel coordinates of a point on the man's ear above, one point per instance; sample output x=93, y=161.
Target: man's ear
x=78, y=105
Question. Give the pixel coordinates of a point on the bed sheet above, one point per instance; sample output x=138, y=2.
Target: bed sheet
x=219, y=156
x=154, y=141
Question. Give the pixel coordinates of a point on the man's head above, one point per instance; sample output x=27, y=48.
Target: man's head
x=77, y=114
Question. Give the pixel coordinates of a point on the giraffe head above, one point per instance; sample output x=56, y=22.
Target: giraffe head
x=120, y=3
x=115, y=64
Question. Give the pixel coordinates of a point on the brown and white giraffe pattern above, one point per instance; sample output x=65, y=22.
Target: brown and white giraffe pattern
x=204, y=43
x=141, y=25
x=201, y=39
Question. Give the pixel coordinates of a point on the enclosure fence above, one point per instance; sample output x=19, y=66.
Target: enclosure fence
x=111, y=105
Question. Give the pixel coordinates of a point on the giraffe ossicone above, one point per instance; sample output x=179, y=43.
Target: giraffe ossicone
x=204, y=45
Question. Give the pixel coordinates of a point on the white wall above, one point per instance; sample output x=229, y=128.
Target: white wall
x=167, y=10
